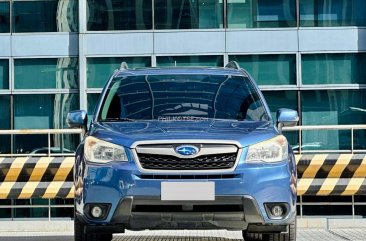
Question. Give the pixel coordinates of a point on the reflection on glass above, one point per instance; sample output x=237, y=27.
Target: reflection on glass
x=204, y=61
x=5, y=112
x=4, y=123
x=4, y=74
x=269, y=69
x=328, y=210
x=92, y=102
x=59, y=73
x=100, y=69
x=62, y=212
x=280, y=99
x=4, y=17
x=188, y=14
x=43, y=112
x=119, y=15
x=5, y=212
x=45, y=16
x=59, y=144
x=182, y=96
x=30, y=212
x=359, y=139
x=283, y=99
x=334, y=68
x=333, y=107
x=261, y=13
x=47, y=111
x=321, y=13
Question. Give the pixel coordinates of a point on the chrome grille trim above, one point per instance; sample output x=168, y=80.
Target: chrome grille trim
x=169, y=150
x=166, y=147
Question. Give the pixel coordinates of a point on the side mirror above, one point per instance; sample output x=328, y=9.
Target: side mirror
x=77, y=119
x=286, y=118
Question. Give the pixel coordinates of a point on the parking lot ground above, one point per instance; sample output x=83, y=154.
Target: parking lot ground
x=354, y=234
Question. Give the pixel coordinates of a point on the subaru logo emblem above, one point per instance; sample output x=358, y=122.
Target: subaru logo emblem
x=186, y=150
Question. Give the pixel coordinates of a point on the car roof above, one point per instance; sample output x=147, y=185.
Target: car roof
x=181, y=70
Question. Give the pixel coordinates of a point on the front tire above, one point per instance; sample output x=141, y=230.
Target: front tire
x=290, y=236
x=80, y=235
x=251, y=236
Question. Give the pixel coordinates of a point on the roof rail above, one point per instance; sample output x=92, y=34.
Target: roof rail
x=232, y=65
x=124, y=66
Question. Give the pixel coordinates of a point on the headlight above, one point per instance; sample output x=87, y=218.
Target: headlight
x=272, y=150
x=99, y=151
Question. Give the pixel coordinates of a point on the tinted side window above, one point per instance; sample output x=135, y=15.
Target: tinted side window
x=239, y=99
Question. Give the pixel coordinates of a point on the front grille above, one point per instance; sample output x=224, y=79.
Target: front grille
x=204, y=162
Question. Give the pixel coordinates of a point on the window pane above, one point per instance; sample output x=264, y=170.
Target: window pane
x=45, y=16
x=321, y=13
x=30, y=212
x=92, y=102
x=261, y=13
x=4, y=74
x=60, y=212
x=4, y=17
x=333, y=107
x=208, y=61
x=5, y=112
x=188, y=14
x=280, y=99
x=44, y=112
x=5, y=123
x=119, y=15
x=5, y=212
x=100, y=69
x=64, y=212
x=38, y=144
x=283, y=99
x=269, y=69
x=334, y=68
x=59, y=73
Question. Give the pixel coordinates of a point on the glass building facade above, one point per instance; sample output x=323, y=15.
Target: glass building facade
x=56, y=55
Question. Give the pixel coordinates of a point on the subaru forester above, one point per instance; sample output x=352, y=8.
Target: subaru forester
x=184, y=148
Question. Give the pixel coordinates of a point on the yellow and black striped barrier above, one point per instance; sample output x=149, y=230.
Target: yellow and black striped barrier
x=36, y=177
x=331, y=174
x=51, y=177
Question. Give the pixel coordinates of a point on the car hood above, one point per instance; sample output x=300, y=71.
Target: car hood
x=244, y=133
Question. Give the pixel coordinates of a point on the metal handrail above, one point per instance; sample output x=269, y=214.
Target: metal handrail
x=352, y=128
x=47, y=132
x=325, y=127
x=41, y=131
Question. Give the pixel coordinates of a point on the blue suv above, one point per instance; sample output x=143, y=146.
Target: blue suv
x=184, y=148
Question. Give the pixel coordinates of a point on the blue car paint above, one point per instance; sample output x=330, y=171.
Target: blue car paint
x=109, y=183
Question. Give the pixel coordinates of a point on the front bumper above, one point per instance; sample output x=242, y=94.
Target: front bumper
x=240, y=198
x=139, y=213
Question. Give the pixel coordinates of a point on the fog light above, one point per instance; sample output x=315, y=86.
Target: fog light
x=277, y=211
x=96, y=212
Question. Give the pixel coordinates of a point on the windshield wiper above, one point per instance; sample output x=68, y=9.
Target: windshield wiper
x=117, y=120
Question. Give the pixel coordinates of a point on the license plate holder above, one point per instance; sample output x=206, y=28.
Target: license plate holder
x=187, y=191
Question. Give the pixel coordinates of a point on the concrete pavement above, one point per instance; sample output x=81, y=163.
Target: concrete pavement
x=354, y=234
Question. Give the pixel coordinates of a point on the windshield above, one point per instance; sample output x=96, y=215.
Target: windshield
x=182, y=97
